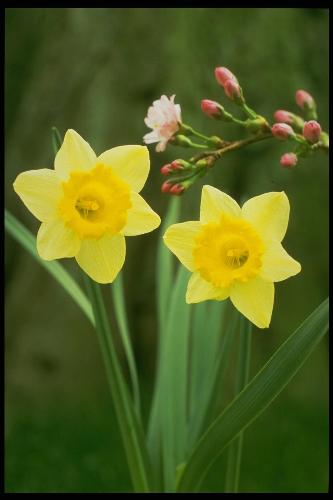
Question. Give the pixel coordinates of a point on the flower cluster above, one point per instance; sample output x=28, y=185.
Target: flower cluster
x=88, y=204
x=307, y=136
x=164, y=118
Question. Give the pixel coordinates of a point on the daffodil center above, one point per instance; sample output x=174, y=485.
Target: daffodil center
x=234, y=253
x=227, y=251
x=95, y=202
x=86, y=208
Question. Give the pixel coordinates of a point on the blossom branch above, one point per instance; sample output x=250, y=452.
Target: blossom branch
x=164, y=117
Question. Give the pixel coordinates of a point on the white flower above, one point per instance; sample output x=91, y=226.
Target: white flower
x=164, y=117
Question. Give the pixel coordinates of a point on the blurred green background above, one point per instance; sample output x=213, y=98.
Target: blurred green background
x=97, y=71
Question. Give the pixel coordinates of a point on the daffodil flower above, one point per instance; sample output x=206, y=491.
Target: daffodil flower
x=235, y=252
x=88, y=204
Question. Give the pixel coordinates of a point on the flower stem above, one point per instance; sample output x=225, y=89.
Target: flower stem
x=250, y=113
x=131, y=430
x=243, y=368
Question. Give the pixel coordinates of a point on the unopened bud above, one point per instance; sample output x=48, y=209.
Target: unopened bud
x=288, y=160
x=282, y=116
x=304, y=100
x=177, y=189
x=166, y=186
x=224, y=74
x=165, y=170
x=181, y=140
x=206, y=162
x=282, y=131
x=295, y=121
x=233, y=90
x=214, y=110
x=176, y=165
x=312, y=131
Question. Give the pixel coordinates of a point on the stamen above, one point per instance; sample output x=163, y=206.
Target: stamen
x=236, y=257
x=87, y=205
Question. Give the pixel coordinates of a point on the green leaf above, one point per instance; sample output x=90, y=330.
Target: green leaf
x=206, y=404
x=255, y=397
x=56, y=140
x=165, y=264
x=242, y=377
x=173, y=386
x=23, y=236
x=165, y=280
x=117, y=292
x=131, y=430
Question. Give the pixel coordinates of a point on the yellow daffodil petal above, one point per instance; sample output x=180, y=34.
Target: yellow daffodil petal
x=179, y=238
x=56, y=241
x=140, y=217
x=75, y=154
x=130, y=163
x=254, y=299
x=199, y=289
x=40, y=191
x=277, y=265
x=102, y=259
x=214, y=202
x=269, y=214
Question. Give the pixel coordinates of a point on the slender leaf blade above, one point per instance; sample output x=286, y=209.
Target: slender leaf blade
x=117, y=292
x=255, y=397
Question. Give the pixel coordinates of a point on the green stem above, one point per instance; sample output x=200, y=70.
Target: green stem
x=249, y=111
x=117, y=292
x=243, y=370
x=131, y=430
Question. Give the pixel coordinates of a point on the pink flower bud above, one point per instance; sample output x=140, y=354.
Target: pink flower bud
x=165, y=170
x=175, y=165
x=283, y=116
x=304, y=100
x=312, y=131
x=177, y=189
x=288, y=160
x=211, y=108
x=224, y=74
x=282, y=131
x=233, y=90
x=166, y=186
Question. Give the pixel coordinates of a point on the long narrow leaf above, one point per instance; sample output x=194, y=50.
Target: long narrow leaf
x=242, y=377
x=131, y=430
x=164, y=273
x=255, y=397
x=208, y=400
x=23, y=236
x=173, y=387
x=117, y=292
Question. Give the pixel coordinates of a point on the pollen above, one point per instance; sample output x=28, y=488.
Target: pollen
x=95, y=202
x=227, y=251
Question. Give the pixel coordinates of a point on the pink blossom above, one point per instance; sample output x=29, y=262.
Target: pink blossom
x=211, y=108
x=164, y=118
x=312, y=131
x=288, y=160
x=282, y=131
x=232, y=89
x=304, y=99
x=283, y=116
x=224, y=74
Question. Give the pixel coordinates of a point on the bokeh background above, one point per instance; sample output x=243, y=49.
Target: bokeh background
x=97, y=71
